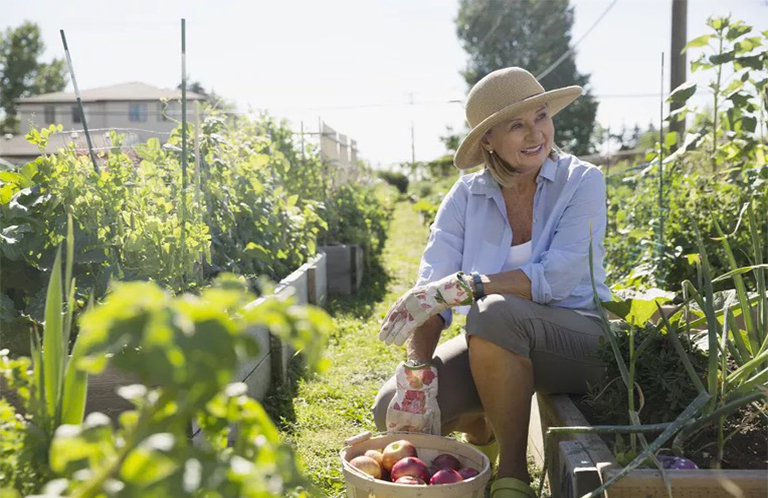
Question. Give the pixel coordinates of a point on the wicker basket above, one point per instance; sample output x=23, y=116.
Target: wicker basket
x=362, y=485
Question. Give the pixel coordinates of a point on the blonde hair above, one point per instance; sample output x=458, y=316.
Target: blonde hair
x=502, y=171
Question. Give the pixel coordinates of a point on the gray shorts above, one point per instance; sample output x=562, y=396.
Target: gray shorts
x=560, y=343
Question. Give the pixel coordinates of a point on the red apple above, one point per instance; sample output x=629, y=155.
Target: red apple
x=410, y=466
x=446, y=461
x=468, y=472
x=395, y=451
x=367, y=465
x=446, y=476
x=409, y=480
x=376, y=455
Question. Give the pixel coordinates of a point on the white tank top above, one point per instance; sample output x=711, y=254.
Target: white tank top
x=517, y=257
x=520, y=255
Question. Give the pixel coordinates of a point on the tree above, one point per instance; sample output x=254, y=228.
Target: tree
x=21, y=74
x=531, y=34
x=211, y=97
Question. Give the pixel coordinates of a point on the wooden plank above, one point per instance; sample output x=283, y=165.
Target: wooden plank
x=535, y=441
x=557, y=410
x=647, y=483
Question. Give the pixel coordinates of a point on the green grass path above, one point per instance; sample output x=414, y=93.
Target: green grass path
x=331, y=406
x=318, y=413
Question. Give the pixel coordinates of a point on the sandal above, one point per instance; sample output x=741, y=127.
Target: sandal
x=509, y=487
x=490, y=449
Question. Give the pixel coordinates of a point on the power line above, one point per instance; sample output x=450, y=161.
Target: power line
x=571, y=49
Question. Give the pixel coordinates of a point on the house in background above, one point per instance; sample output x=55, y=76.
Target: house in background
x=136, y=110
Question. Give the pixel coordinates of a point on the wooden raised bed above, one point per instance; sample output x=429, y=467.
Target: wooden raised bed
x=579, y=463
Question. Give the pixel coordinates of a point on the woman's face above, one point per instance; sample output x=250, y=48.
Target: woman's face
x=524, y=141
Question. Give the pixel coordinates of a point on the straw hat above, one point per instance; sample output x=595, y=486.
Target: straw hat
x=502, y=95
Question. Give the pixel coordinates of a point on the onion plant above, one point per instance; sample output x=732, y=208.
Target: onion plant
x=737, y=368
x=58, y=388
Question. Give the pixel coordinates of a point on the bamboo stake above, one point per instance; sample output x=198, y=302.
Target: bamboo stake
x=79, y=102
x=183, y=140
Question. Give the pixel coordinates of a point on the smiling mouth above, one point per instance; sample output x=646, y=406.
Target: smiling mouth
x=533, y=150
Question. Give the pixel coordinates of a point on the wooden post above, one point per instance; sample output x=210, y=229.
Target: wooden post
x=677, y=60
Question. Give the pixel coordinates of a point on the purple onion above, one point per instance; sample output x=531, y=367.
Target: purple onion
x=676, y=463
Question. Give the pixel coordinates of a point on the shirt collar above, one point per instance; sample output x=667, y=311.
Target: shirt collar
x=483, y=182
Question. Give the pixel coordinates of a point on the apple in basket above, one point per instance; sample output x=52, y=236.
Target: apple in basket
x=446, y=476
x=409, y=480
x=395, y=451
x=376, y=455
x=468, y=472
x=367, y=465
x=446, y=461
x=410, y=466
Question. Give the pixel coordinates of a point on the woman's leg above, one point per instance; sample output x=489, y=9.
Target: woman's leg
x=517, y=346
x=504, y=382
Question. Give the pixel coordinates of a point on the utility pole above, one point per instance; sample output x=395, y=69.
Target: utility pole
x=413, y=140
x=677, y=61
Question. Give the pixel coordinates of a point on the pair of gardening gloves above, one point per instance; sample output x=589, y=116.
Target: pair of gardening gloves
x=414, y=406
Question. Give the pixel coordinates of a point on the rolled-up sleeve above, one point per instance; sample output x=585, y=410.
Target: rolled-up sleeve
x=445, y=247
x=566, y=262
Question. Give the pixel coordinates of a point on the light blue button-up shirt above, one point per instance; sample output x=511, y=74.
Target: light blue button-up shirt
x=471, y=233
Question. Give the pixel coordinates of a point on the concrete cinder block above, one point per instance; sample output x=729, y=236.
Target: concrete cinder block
x=317, y=279
x=256, y=372
x=339, y=269
x=358, y=266
x=297, y=285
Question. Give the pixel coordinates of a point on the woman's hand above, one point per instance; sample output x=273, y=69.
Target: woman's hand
x=418, y=304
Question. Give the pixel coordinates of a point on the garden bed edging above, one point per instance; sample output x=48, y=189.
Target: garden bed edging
x=579, y=463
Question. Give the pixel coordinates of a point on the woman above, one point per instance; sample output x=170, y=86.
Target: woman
x=515, y=237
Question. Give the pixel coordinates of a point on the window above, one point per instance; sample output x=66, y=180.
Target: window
x=50, y=114
x=76, y=118
x=137, y=113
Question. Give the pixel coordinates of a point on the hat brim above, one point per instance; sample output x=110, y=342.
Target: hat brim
x=469, y=155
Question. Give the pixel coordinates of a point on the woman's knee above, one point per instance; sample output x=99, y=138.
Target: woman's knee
x=499, y=315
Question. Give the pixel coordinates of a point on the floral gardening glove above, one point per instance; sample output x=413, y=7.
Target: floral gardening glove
x=414, y=407
x=418, y=304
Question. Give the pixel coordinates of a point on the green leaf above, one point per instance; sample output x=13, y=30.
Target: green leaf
x=749, y=61
x=737, y=30
x=748, y=124
x=638, y=311
x=682, y=93
x=53, y=354
x=699, y=41
x=75, y=388
x=722, y=58
x=670, y=139
x=718, y=23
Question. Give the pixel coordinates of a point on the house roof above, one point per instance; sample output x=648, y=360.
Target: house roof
x=120, y=92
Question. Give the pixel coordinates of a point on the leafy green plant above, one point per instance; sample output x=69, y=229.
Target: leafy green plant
x=184, y=351
x=719, y=165
x=53, y=393
x=356, y=216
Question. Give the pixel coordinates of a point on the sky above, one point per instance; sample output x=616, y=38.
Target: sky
x=354, y=64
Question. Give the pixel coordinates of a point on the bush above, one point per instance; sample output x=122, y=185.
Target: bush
x=397, y=180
